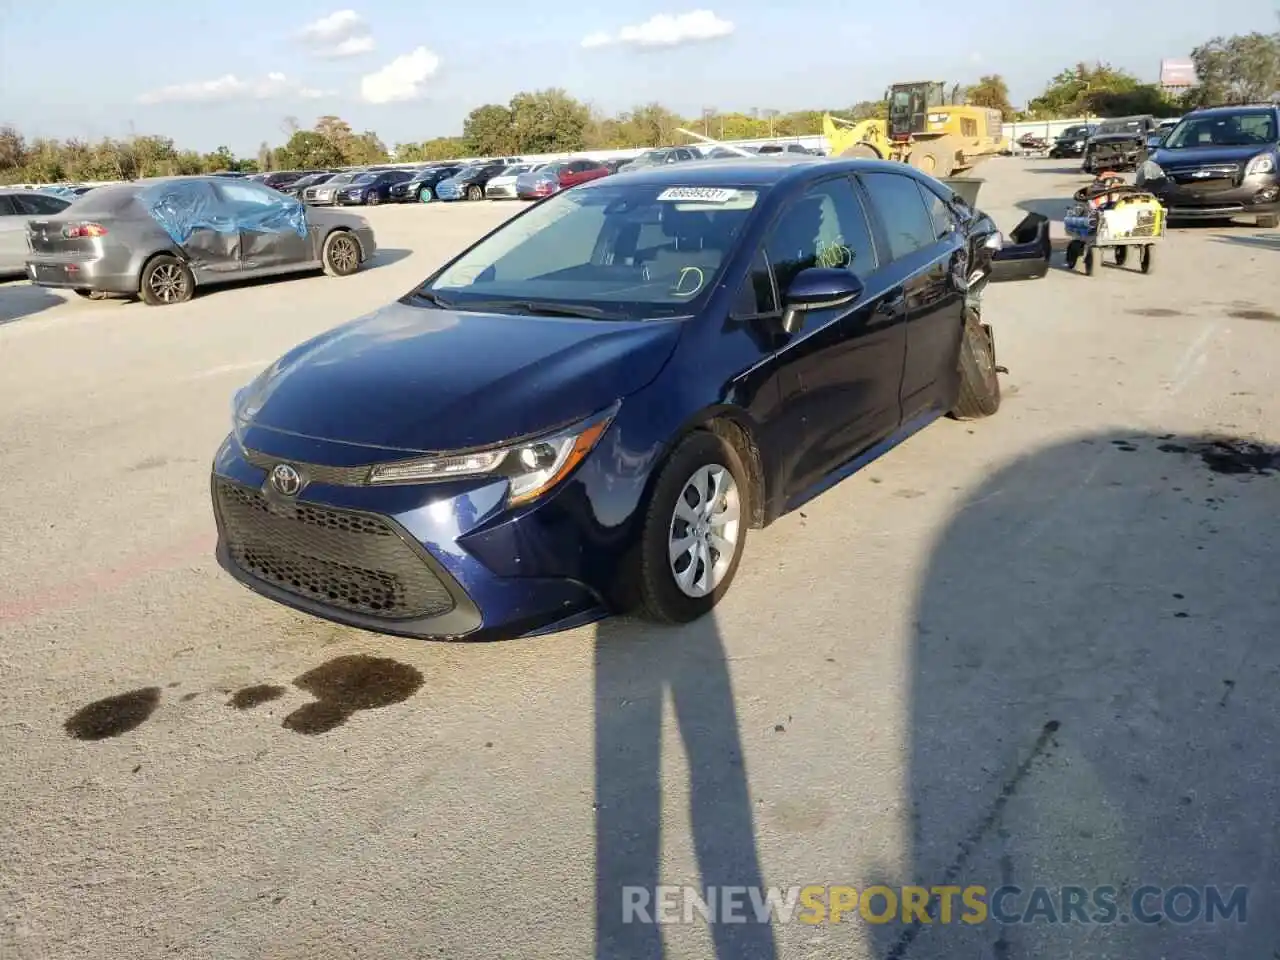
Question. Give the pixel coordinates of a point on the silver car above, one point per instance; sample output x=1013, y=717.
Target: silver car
x=325, y=194
x=161, y=239
x=16, y=208
x=503, y=186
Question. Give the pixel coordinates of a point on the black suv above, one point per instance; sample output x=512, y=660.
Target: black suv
x=1219, y=162
x=1070, y=142
x=1118, y=144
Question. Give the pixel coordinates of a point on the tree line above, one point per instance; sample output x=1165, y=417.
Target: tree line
x=1236, y=69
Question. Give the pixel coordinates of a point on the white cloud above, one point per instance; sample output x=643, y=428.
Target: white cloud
x=341, y=34
x=274, y=86
x=665, y=30
x=404, y=78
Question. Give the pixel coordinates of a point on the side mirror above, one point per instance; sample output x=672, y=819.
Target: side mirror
x=817, y=288
x=1024, y=254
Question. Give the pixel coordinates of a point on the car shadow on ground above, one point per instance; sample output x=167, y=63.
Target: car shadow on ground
x=1095, y=703
x=385, y=257
x=1265, y=241
x=637, y=666
x=21, y=299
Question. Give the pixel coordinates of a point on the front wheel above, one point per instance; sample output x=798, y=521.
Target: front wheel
x=474, y=192
x=374, y=199
x=695, y=530
x=979, y=377
x=166, y=280
x=425, y=195
x=1146, y=262
x=341, y=254
x=1073, y=253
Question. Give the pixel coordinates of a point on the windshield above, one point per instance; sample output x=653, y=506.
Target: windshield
x=365, y=178
x=651, y=156
x=1120, y=126
x=631, y=251
x=340, y=179
x=1075, y=131
x=467, y=172
x=1231, y=130
x=516, y=170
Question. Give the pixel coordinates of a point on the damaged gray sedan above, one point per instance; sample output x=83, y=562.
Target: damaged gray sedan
x=162, y=239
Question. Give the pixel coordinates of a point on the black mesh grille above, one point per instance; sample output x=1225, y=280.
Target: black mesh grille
x=353, y=561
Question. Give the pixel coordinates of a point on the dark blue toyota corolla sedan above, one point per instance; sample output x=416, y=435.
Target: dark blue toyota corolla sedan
x=585, y=412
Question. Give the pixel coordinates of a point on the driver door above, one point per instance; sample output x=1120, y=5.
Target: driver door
x=268, y=236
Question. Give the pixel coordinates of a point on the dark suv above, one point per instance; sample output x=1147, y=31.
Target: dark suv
x=1219, y=162
x=1118, y=144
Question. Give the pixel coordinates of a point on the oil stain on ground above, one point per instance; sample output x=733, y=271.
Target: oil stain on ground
x=246, y=698
x=347, y=685
x=1254, y=314
x=113, y=716
x=1232, y=456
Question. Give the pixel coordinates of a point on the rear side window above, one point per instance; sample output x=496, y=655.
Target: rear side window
x=103, y=200
x=939, y=213
x=34, y=205
x=6, y=207
x=906, y=219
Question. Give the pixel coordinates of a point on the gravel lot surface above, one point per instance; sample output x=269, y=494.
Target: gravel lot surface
x=1039, y=649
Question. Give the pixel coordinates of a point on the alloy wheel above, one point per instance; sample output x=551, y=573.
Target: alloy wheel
x=704, y=530
x=343, y=254
x=168, y=283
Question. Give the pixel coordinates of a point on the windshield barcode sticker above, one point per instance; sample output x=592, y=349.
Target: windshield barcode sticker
x=697, y=194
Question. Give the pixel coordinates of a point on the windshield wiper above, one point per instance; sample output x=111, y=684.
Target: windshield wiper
x=433, y=298
x=539, y=308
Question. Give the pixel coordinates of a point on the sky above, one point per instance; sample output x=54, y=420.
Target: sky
x=231, y=73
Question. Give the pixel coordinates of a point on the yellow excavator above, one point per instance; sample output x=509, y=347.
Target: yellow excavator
x=935, y=132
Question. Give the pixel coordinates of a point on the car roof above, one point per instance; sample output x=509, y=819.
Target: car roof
x=1235, y=108
x=764, y=171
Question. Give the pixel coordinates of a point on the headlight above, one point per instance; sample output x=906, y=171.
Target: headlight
x=248, y=400
x=1262, y=163
x=531, y=467
x=1150, y=170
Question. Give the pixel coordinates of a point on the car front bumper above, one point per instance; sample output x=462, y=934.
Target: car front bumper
x=350, y=200
x=502, y=191
x=441, y=561
x=1107, y=157
x=1066, y=150
x=1209, y=201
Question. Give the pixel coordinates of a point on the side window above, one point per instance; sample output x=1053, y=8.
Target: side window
x=34, y=205
x=756, y=296
x=7, y=209
x=248, y=194
x=906, y=219
x=825, y=228
x=944, y=222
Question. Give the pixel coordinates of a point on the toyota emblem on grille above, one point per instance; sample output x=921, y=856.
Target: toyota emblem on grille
x=286, y=480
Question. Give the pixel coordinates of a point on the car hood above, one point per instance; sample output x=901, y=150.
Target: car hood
x=421, y=379
x=1195, y=156
x=503, y=181
x=337, y=218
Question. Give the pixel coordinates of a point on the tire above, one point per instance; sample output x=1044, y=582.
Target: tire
x=862, y=151
x=374, y=199
x=698, y=456
x=166, y=280
x=1147, y=263
x=979, y=380
x=1122, y=255
x=341, y=254
x=935, y=157
x=425, y=195
x=1268, y=221
x=475, y=192
x=1090, y=256
x=1073, y=253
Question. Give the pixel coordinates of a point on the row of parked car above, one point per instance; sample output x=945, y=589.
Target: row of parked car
x=499, y=178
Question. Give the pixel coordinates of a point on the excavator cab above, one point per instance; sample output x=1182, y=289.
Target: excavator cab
x=909, y=106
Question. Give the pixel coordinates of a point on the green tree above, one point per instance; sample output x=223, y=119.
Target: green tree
x=1239, y=69
x=488, y=131
x=307, y=150
x=1076, y=90
x=992, y=92
x=548, y=121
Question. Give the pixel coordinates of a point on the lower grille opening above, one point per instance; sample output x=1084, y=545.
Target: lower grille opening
x=340, y=558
